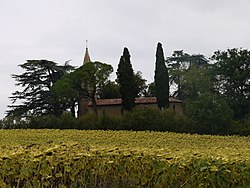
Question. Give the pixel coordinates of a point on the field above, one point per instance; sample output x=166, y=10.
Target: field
x=62, y=158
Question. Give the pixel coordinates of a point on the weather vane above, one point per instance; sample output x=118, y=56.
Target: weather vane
x=86, y=43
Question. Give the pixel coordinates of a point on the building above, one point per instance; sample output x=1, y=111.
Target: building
x=113, y=107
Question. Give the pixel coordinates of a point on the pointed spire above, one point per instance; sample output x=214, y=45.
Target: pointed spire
x=86, y=56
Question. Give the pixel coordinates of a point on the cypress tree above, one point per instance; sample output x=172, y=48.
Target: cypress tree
x=161, y=79
x=125, y=77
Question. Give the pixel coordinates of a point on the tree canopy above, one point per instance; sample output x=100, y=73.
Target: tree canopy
x=232, y=79
x=36, y=97
x=83, y=83
x=181, y=66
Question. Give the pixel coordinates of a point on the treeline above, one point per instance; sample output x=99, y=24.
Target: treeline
x=215, y=92
x=149, y=119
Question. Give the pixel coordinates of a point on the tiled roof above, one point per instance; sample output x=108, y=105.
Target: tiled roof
x=140, y=100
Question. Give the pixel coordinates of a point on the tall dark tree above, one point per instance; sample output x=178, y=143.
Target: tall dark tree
x=36, y=98
x=161, y=79
x=232, y=79
x=125, y=78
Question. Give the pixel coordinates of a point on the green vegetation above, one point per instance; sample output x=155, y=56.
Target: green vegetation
x=125, y=78
x=37, y=81
x=231, y=74
x=200, y=114
x=70, y=158
x=83, y=83
x=210, y=114
x=189, y=74
x=161, y=79
x=215, y=92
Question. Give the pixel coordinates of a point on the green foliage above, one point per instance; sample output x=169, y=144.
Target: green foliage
x=182, y=66
x=125, y=78
x=231, y=78
x=153, y=119
x=109, y=123
x=161, y=79
x=69, y=158
x=13, y=122
x=37, y=80
x=65, y=121
x=140, y=84
x=241, y=127
x=196, y=81
x=83, y=83
x=109, y=90
x=151, y=90
x=87, y=122
x=210, y=114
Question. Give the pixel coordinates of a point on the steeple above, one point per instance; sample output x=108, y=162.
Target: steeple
x=86, y=56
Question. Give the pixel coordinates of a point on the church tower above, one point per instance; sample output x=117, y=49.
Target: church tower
x=83, y=103
x=86, y=56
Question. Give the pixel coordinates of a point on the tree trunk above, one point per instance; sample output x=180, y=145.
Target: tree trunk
x=94, y=106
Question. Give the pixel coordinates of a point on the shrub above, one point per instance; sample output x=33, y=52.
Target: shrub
x=152, y=119
x=44, y=122
x=210, y=115
x=109, y=123
x=241, y=127
x=88, y=121
x=13, y=123
x=142, y=119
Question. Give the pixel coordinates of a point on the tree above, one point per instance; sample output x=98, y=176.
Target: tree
x=109, y=90
x=83, y=83
x=66, y=93
x=125, y=78
x=232, y=79
x=161, y=79
x=151, y=91
x=94, y=75
x=36, y=97
x=210, y=114
x=195, y=82
x=140, y=84
x=179, y=64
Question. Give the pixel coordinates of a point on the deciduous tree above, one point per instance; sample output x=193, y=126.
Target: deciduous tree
x=232, y=79
x=181, y=63
x=83, y=83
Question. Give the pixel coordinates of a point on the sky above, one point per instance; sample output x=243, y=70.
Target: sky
x=56, y=30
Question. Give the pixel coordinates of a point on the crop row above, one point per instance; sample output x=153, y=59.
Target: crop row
x=76, y=165
x=54, y=158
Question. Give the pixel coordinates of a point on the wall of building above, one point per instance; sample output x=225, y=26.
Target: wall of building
x=116, y=110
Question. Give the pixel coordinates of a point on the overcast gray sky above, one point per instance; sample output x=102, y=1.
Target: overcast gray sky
x=57, y=29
